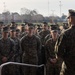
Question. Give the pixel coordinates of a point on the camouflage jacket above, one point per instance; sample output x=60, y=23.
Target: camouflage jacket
x=31, y=48
x=49, y=49
x=17, y=46
x=7, y=49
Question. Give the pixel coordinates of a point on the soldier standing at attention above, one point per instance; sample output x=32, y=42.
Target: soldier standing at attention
x=65, y=46
x=31, y=48
x=52, y=65
x=17, y=48
x=7, y=48
x=44, y=33
x=17, y=43
x=52, y=27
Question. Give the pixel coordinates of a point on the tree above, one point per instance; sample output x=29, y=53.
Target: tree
x=25, y=11
x=6, y=17
x=33, y=12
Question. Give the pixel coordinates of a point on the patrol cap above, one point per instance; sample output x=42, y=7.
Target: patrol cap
x=45, y=23
x=17, y=30
x=13, y=22
x=22, y=24
x=5, y=29
x=53, y=27
x=71, y=13
x=1, y=23
x=13, y=29
x=30, y=24
x=26, y=23
x=31, y=27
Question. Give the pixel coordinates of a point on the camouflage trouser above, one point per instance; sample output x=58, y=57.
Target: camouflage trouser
x=29, y=71
x=8, y=70
x=17, y=67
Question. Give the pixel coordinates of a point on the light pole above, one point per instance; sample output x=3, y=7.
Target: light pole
x=5, y=14
x=48, y=7
x=4, y=6
x=53, y=15
x=60, y=7
x=53, y=12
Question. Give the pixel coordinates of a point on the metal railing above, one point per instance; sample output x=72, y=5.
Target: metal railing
x=21, y=64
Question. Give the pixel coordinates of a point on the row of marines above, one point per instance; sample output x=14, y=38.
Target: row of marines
x=32, y=45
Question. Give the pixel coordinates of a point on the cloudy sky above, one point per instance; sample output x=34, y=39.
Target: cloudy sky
x=40, y=5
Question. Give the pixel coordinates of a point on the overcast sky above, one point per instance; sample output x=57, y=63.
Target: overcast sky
x=40, y=5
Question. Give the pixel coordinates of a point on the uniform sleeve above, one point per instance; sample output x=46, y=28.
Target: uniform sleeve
x=21, y=49
x=46, y=51
x=18, y=52
x=1, y=56
x=0, y=51
x=12, y=51
x=39, y=46
x=21, y=45
x=49, y=50
x=60, y=46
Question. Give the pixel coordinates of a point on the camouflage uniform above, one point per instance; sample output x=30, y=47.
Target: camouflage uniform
x=17, y=50
x=23, y=32
x=1, y=26
x=31, y=47
x=51, y=69
x=0, y=34
x=43, y=34
x=65, y=48
x=7, y=48
x=17, y=54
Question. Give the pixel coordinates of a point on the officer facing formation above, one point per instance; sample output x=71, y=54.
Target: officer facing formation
x=65, y=46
